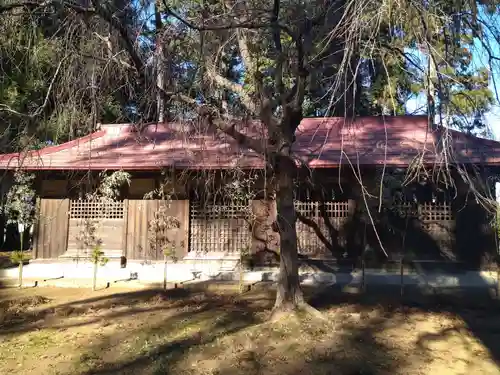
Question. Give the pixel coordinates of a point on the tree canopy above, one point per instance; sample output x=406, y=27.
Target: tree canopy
x=68, y=65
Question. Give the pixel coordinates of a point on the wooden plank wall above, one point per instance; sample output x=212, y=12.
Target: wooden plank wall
x=109, y=220
x=110, y=231
x=51, y=234
x=129, y=237
x=140, y=212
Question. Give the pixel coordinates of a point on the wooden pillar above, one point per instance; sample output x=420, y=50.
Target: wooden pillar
x=125, y=228
x=36, y=230
x=184, y=220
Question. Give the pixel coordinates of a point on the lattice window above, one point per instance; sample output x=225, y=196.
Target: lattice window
x=330, y=209
x=435, y=212
x=219, y=228
x=219, y=211
x=435, y=219
x=96, y=209
x=308, y=241
x=403, y=209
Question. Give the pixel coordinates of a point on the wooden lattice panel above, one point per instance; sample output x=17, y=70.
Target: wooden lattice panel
x=109, y=218
x=404, y=209
x=308, y=240
x=435, y=212
x=426, y=212
x=219, y=211
x=218, y=228
x=96, y=209
x=435, y=220
x=330, y=209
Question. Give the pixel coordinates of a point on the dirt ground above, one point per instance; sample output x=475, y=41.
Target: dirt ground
x=217, y=331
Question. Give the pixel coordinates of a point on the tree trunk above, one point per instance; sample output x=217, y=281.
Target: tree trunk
x=340, y=65
x=289, y=295
x=160, y=66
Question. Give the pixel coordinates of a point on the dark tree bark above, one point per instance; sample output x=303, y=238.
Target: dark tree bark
x=289, y=295
x=338, y=64
x=160, y=66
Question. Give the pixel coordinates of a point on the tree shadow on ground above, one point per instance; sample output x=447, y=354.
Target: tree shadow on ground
x=206, y=319
x=349, y=348
x=30, y=313
x=198, y=332
x=161, y=356
x=476, y=307
x=235, y=339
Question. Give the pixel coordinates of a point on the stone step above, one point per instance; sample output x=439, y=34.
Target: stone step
x=76, y=254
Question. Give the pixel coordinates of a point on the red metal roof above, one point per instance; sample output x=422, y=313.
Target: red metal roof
x=320, y=143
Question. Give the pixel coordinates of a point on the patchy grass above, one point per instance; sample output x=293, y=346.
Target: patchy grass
x=201, y=332
x=5, y=261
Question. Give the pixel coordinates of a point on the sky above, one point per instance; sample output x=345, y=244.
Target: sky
x=480, y=60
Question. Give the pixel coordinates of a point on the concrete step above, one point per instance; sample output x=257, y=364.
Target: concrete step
x=206, y=271
x=78, y=254
x=72, y=283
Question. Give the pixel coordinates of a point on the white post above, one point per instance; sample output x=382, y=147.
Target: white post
x=20, y=228
x=497, y=196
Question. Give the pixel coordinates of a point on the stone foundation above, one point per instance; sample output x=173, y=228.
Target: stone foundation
x=226, y=268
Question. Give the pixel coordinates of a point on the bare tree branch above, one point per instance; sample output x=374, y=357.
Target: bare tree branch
x=238, y=89
x=125, y=35
x=231, y=25
x=45, y=3
x=245, y=53
x=227, y=127
x=317, y=230
x=278, y=75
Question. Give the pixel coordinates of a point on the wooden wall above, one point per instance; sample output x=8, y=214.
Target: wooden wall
x=141, y=186
x=54, y=188
x=109, y=231
x=140, y=212
x=434, y=235
x=55, y=233
x=51, y=234
x=108, y=219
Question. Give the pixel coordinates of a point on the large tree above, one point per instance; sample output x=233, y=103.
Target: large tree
x=228, y=61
